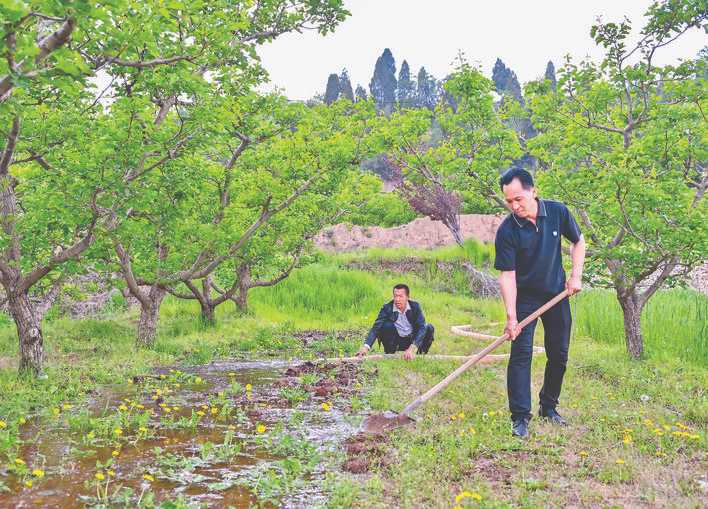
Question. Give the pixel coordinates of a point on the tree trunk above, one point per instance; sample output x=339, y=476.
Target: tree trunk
x=29, y=332
x=632, y=305
x=244, y=284
x=149, y=315
x=454, y=226
x=208, y=317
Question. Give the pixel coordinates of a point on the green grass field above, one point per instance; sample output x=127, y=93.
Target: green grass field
x=638, y=434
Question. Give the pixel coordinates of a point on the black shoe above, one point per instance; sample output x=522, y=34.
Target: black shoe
x=520, y=427
x=552, y=416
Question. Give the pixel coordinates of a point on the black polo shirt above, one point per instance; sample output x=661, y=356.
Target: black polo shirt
x=534, y=251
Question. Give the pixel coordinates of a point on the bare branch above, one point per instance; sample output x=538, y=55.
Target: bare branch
x=63, y=255
x=10, y=145
x=126, y=267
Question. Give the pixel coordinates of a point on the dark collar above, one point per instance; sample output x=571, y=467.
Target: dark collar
x=541, y=213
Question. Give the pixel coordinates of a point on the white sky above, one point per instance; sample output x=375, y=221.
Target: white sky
x=524, y=34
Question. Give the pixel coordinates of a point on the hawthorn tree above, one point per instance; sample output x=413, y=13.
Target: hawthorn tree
x=87, y=92
x=623, y=141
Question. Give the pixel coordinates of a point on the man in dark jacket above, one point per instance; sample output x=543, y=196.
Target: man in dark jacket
x=400, y=326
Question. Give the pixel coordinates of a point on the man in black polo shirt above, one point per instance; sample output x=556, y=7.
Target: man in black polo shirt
x=400, y=326
x=528, y=255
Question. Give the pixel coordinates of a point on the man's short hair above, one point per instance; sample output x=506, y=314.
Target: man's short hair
x=524, y=177
x=401, y=286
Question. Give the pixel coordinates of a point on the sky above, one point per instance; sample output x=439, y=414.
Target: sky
x=524, y=34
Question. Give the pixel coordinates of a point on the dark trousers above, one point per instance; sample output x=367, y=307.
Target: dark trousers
x=392, y=342
x=556, y=325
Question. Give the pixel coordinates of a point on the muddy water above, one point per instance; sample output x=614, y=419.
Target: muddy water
x=155, y=459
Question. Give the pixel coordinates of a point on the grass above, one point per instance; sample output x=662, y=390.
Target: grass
x=469, y=460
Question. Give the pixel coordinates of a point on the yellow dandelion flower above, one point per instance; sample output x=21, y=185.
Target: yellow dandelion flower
x=22, y=420
x=249, y=387
x=66, y=406
x=55, y=411
x=115, y=454
x=453, y=417
x=100, y=476
x=38, y=472
x=142, y=429
x=325, y=407
x=461, y=415
x=232, y=373
x=162, y=405
x=149, y=478
x=200, y=413
x=19, y=461
x=205, y=407
x=461, y=496
x=111, y=473
x=167, y=410
x=158, y=392
x=118, y=431
x=130, y=381
x=162, y=377
x=628, y=430
x=260, y=428
x=627, y=440
x=122, y=408
x=473, y=431
x=476, y=496
x=198, y=380
x=214, y=411
x=28, y=483
x=492, y=413
x=583, y=454
x=619, y=461
x=141, y=407
x=154, y=397
x=3, y=424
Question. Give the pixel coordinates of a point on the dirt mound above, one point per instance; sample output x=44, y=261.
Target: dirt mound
x=422, y=233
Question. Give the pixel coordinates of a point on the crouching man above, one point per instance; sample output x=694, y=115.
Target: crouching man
x=400, y=326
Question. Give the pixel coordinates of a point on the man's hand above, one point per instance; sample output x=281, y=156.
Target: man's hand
x=512, y=328
x=574, y=285
x=410, y=352
x=363, y=351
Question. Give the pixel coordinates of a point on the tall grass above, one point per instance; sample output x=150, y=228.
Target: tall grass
x=674, y=322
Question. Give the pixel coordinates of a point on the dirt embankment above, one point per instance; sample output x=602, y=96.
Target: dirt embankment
x=422, y=233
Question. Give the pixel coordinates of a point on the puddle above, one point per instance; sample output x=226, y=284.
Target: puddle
x=224, y=434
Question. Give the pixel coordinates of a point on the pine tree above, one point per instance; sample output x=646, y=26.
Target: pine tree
x=427, y=90
x=360, y=93
x=551, y=74
x=345, y=86
x=383, y=83
x=333, y=89
x=406, y=87
x=505, y=81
